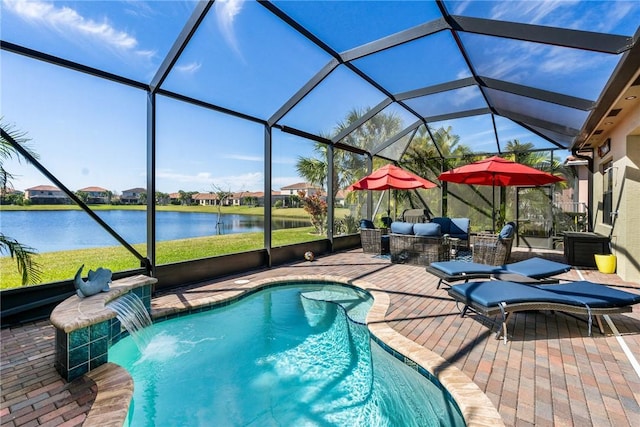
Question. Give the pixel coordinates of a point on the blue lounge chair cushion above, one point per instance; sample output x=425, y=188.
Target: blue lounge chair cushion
x=493, y=292
x=535, y=268
x=455, y=268
x=593, y=294
x=427, y=229
x=366, y=224
x=583, y=293
x=398, y=227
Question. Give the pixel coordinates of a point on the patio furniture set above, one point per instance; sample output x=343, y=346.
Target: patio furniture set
x=434, y=240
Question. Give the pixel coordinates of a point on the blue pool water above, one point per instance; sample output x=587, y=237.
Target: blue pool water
x=283, y=356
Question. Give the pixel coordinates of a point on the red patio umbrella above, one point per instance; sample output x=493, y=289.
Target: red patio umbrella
x=496, y=171
x=391, y=177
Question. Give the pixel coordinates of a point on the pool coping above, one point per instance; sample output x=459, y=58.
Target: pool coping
x=476, y=408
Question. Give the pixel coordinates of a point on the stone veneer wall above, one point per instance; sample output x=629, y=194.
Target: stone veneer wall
x=85, y=328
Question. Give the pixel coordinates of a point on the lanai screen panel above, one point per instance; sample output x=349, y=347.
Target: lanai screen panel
x=129, y=39
x=345, y=25
x=245, y=59
x=330, y=105
x=428, y=61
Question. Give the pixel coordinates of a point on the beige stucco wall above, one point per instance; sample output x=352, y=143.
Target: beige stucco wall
x=625, y=232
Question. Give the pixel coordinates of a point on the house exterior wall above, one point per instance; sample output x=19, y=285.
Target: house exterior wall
x=47, y=196
x=625, y=155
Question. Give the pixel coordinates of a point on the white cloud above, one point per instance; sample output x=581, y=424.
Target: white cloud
x=198, y=178
x=189, y=68
x=69, y=22
x=226, y=12
x=170, y=180
x=243, y=157
x=533, y=12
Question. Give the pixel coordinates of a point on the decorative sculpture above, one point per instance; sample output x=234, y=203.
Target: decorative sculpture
x=98, y=281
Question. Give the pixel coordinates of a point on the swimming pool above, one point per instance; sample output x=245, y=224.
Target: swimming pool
x=287, y=355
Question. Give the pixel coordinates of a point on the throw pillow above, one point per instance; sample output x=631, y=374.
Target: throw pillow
x=430, y=229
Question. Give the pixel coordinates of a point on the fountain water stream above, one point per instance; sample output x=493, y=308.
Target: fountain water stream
x=133, y=315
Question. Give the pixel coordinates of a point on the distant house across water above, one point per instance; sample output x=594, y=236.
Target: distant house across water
x=97, y=195
x=132, y=196
x=46, y=195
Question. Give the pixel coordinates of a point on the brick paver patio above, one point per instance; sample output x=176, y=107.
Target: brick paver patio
x=550, y=373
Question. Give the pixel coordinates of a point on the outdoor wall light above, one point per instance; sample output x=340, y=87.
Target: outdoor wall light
x=608, y=123
x=629, y=98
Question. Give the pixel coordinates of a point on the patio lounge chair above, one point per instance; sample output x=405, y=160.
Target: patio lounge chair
x=500, y=297
x=534, y=269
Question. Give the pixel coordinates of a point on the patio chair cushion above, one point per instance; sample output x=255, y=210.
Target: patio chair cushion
x=454, y=268
x=398, y=227
x=366, y=224
x=454, y=227
x=507, y=231
x=459, y=227
x=444, y=223
x=427, y=229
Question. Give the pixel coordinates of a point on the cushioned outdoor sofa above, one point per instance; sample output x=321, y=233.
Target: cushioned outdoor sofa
x=457, y=228
x=417, y=244
x=494, y=297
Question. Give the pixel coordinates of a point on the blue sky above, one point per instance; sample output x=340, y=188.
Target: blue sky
x=91, y=132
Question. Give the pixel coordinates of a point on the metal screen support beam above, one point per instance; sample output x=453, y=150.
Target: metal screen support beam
x=189, y=29
x=330, y=200
x=268, y=171
x=151, y=183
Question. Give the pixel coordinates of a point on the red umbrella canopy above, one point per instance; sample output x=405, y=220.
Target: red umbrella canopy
x=391, y=177
x=498, y=171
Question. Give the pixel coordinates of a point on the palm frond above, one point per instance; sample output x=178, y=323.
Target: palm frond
x=23, y=254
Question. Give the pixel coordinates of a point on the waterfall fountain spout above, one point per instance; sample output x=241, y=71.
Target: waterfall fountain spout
x=133, y=316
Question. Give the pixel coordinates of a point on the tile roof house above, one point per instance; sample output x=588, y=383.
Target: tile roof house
x=46, y=195
x=97, y=195
x=206, y=199
x=308, y=188
x=132, y=196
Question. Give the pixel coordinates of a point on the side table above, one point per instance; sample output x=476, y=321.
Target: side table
x=454, y=242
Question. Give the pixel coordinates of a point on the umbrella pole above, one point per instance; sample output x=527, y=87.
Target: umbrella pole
x=375, y=211
x=493, y=207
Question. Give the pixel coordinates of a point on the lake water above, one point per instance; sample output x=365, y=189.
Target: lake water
x=50, y=231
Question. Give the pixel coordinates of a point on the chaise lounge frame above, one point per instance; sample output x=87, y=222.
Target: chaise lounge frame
x=505, y=310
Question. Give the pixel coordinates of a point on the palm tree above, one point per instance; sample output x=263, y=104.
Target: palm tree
x=347, y=166
x=23, y=254
x=428, y=157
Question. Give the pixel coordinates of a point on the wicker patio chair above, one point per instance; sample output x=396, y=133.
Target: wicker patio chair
x=375, y=240
x=494, y=249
